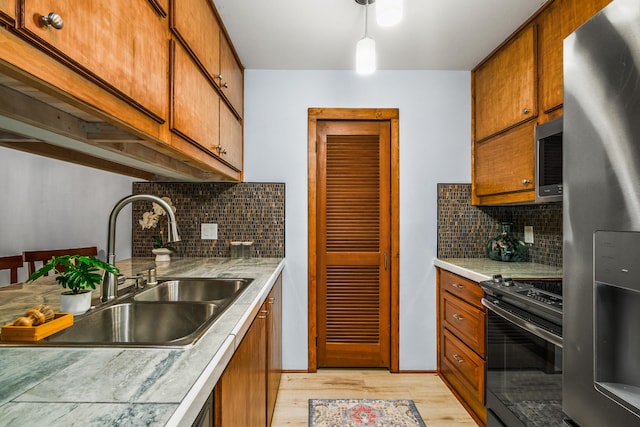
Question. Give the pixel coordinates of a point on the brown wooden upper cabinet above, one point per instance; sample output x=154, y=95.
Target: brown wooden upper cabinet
x=86, y=71
x=195, y=104
x=505, y=86
x=231, y=79
x=198, y=114
x=518, y=86
x=557, y=21
x=8, y=11
x=99, y=41
x=194, y=24
x=207, y=83
x=503, y=167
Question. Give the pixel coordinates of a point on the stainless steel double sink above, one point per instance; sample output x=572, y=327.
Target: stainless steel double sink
x=174, y=313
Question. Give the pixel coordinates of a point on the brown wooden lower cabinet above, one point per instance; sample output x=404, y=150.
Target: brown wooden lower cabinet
x=241, y=393
x=461, y=344
x=246, y=393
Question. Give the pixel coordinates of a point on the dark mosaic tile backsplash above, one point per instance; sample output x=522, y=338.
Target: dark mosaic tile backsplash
x=464, y=230
x=243, y=211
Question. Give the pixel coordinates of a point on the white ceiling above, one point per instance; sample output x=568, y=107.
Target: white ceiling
x=322, y=34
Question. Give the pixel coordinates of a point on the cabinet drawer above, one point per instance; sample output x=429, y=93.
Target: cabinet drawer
x=465, y=321
x=460, y=361
x=465, y=289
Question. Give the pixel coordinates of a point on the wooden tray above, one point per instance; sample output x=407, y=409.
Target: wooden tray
x=35, y=333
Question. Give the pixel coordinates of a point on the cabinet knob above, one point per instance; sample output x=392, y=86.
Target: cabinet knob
x=458, y=358
x=225, y=85
x=52, y=20
x=525, y=181
x=525, y=111
x=221, y=150
x=219, y=76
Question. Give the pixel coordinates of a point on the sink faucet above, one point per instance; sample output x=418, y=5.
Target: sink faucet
x=110, y=280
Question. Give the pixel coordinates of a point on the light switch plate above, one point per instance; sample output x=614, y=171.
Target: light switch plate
x=528, y=234
x=208, y=231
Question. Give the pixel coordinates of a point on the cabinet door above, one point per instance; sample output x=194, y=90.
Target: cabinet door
x=231, y=77
x=102, y=42
x=195, y=24
x=550, y=36
x=242, y=387
x=231, y=144
x=274, y=347
x=503, y=167
x=8, y=11
x=559, y=20
x=195, y=104
x=505, y=88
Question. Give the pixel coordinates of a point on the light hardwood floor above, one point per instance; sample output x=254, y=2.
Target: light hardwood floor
x=436, y=404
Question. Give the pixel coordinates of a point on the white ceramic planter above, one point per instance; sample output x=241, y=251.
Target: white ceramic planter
x=75, y=303
x=162, y=254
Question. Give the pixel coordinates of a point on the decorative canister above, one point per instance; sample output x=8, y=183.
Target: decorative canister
x=504, y=247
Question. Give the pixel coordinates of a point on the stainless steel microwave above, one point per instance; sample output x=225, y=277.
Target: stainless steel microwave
x=548, y=151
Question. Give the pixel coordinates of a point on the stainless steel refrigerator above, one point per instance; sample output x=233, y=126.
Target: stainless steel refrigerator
x=601, y=214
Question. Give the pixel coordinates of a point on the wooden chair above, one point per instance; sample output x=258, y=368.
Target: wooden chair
x=31, y=257
x=12, y=263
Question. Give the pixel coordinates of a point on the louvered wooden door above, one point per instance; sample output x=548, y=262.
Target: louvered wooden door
x=353, y=292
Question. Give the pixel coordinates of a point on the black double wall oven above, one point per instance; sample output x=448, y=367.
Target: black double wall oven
x=524, y=352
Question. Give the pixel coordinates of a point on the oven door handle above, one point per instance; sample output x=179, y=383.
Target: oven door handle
x=528, y=326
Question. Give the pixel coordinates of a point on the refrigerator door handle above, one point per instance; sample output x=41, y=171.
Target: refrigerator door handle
x=527, y=326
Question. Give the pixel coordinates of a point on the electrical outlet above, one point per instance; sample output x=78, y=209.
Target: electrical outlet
x=528, y=234
x=208, y=231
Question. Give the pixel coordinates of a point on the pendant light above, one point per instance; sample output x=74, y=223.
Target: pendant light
x=366, y=47
x=388, y=12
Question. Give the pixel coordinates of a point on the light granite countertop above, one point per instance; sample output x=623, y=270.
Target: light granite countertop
x=479, y=269
x=126, y=386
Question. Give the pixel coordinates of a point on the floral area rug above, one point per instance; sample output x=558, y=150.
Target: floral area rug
x=363, y=413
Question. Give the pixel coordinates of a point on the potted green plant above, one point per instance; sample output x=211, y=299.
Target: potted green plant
x=80, y=275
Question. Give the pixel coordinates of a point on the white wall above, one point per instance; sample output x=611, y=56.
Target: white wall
x=435, y=123
x=48, y=204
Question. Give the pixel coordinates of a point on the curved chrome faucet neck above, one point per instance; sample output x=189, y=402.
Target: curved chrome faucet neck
x=109, y=280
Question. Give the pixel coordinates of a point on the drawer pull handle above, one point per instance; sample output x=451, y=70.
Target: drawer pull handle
x=457, y=317
x=458, y=358
x=457, y=285
x=52, y=20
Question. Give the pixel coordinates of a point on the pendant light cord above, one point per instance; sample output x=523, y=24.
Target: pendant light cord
x=366, y=19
